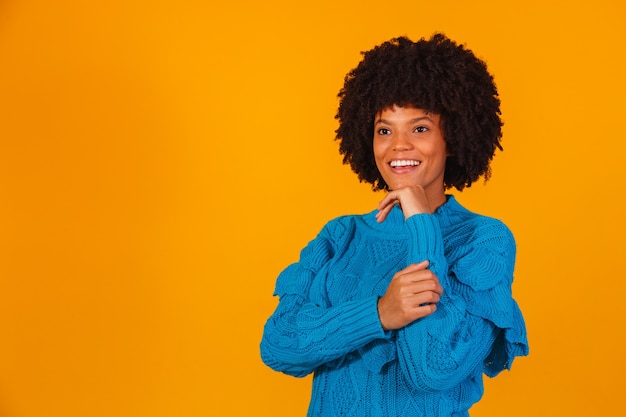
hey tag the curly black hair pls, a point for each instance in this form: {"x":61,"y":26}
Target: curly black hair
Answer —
{"x":437,"y":75}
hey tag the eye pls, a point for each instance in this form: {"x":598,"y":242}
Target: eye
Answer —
{"x":383,"y":131}
{"x":420,"y":129}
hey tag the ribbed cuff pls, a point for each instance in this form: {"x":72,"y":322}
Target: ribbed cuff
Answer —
{"x":426,"y":238}
{"x":360,"y":322}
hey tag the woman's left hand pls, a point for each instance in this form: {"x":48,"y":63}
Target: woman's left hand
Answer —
{"x":412,"y":200}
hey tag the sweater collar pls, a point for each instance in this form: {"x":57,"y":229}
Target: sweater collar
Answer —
{"x":447,"y":214}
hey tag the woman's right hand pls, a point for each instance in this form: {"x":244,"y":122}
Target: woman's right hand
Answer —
{"x":412,"y":200}
{"x":413,"y":293}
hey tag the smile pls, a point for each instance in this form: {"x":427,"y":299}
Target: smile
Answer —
{"x":404,"y":163}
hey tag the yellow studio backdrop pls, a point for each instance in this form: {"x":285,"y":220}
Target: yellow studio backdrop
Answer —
{"x":162,"y":162}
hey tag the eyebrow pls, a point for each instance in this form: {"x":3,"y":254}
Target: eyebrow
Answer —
{"x":415,"y":120}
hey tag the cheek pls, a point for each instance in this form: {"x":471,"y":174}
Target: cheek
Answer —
{"x":438,"y":151}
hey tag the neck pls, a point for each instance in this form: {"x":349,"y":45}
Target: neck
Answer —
{"x":437,"y":201}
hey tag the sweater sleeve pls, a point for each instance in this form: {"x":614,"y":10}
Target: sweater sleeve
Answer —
{"x":305,"y":332}
{"x":477,"y":324}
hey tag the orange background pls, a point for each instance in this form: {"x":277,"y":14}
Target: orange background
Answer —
{"x":162,"y":162}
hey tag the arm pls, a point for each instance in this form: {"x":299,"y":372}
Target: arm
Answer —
{"x":304,"y":331}
{"x":439,"y":351}
{"x":476,"y":319}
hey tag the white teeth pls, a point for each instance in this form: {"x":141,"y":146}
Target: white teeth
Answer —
{"x":404,"y":163}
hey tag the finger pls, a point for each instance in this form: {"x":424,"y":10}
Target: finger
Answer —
{"x":384,"y":210}
{"x":412,"y":269}
{"x":417,"y":267}
{"x":382,"y":213}
{"x":424,"y":310}
{"x":390,"y":199}
{"x":420,"y":310}
{"x":424,"y":291}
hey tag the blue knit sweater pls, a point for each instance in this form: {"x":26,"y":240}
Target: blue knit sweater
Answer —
{"x":327,"y":319}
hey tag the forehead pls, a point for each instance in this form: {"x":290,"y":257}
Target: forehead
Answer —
{"x":404,"y":114}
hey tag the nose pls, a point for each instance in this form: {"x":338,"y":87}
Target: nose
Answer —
{"x":402,"y":142}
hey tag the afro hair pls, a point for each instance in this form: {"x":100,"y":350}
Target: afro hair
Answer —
{"x":437,"y":75}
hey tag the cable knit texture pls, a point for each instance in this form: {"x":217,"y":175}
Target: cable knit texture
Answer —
{"x":327,"y":319}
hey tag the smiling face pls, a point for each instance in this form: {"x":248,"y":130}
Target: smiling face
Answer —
{"x":410,"y":150}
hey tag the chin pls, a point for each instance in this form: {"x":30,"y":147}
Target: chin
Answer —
{"x":398,"y":186}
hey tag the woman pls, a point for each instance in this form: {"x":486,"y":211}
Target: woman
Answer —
{"x":399,"y":312}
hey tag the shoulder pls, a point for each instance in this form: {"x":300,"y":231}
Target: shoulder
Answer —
{"x":338,"y":226}
{"x":481,"y":249}
{"x":462,"y":224}
{"x":343,"y":227}
{"x":335,"y":235}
